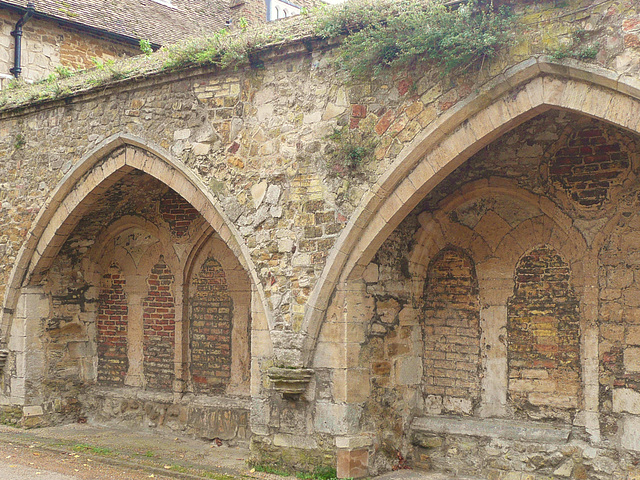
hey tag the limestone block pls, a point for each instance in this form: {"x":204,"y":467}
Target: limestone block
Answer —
{"x":370,"y":274}
{"x":182,"y":134}
{"x":630,"y":438}
{"x":18,"y":391}
{"x":273,"y":194}
{"x":408,"y":371}
{"x":353,"y":441}
{"x":285,"y":245}
{"x":458,"y":405}
{"x":258,"y":192}
{"x":632,"y":359}
{"x":330,"y":355}
{"x":332,"y":332}
{"x":301,"y":260}
{"x":497,"y":428}
{"x":356,"y":333}
{"x":294,"y":441}
{"x":633,"y":335}
{"x":17,"y":343}
{"x":408,"y":316}
{"x":21,"y":362}
{"x":358,"y":388}
{"x":32,"y":411}
{"x":312,"y":117}
{"x":337,"y":419}
{"x":553,"y":399}
{"x":201,"y":148}
{"x":332,"y":111}
{"x":626,"y":400}
{"x":574,"y":96}
{"x":433,"y":405}
{"x":265,"y":112}
{"x":565,"y":469}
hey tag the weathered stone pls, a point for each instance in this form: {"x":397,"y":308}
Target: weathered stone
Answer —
{"x":497,"y":428}
{"x":426,"y":441}
{"x":630,"y":433}
{"x":258,"y":192}
{"x":626,"y":400}
{"x":632,"y":359}
{"x":494,"y":287}
{"x":332,"y":111}
{"x":409,"y":370}
{"x":564,"y":470}
{"x":273,"y":194}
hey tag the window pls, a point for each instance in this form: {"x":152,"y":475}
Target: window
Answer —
{"x":280,"y":9}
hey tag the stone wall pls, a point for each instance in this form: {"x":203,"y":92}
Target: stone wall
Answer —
{"x":475,"y":261}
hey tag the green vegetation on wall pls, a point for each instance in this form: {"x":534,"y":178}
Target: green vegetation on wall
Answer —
{"x":375,"y":34}
{"x":351,"y":148}
{"x":382,"y":34}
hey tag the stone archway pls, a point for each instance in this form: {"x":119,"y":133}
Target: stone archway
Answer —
{"x":126,"y":229}
{"x":84,"y":183}
{"x":521,"y":93}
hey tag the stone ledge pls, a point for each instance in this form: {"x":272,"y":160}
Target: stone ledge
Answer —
{"x":190,"y":399}
{"x":493,"y":428}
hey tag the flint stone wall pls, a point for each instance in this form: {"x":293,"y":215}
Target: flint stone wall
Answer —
{"x":256,"y":140}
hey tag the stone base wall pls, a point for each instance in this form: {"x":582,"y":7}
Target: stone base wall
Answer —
{"x":277,"y":452}
{"x":224,"y":418}
{"x":507,"y":459}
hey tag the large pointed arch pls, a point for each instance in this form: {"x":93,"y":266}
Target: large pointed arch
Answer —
{"x":508,"y":100}
{"x":91,"y":177}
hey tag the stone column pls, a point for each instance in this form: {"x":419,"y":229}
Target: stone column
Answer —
{"x":261,"y":354}
{"x":135,"y":337}
{"x":25,"y":342}
{"x":341,"y":337}
{"x":589,"y":350}
{"x":495,"y":290}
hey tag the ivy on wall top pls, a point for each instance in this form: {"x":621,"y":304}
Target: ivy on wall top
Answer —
{"x":382,"y":34}
{"x":374,"y":35}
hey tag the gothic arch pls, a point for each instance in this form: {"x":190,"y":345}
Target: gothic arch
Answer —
{"x":435,"y":231}
{"x":210,"y":249}
{"x":519,"y":94}
{"x":91,"y":177}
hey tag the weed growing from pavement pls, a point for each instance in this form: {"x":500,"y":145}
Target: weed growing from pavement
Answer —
{"x":86,"y":448}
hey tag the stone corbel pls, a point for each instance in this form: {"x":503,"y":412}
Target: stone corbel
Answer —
{"x":290,"y":382}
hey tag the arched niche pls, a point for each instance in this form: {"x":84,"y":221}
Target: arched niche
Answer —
{"x":543,"y":337}
{"x":451,"y":329}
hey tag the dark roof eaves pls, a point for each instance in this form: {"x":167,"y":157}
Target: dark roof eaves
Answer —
{"x":79,"y":25}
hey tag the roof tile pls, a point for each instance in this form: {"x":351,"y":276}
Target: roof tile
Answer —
{"x":139,"y":19}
